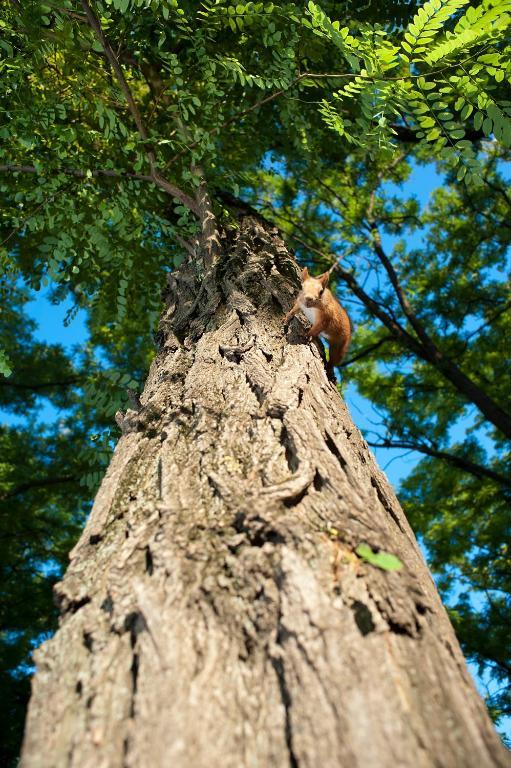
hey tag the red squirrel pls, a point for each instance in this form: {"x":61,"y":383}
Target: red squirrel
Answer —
{"x":328,"y":318}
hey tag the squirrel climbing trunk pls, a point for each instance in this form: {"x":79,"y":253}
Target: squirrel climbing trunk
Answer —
{"x":217,"y":612}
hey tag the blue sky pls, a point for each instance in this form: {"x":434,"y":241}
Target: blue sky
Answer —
{"x":396,"y":463}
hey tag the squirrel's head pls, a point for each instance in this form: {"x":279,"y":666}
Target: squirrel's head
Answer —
{"x":313,"y":287}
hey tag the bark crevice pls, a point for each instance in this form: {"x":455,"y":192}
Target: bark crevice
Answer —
{"x":285,"y":698}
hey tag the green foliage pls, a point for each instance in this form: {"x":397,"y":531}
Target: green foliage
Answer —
{"x":430,"y":18}
{"x":392,"y":79}
{"x":486,"y":22}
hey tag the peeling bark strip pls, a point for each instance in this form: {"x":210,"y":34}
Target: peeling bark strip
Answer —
{"x":214,"y":614}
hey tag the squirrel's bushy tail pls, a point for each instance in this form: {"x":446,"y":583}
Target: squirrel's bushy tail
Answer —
{"x":338,"y":349}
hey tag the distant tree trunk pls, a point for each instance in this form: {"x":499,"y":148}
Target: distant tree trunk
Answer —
{"x":215,"y":613}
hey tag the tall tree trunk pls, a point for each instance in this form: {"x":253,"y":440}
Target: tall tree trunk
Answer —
{"x":215,"y":613}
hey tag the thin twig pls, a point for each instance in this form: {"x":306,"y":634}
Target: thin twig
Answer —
{"x":487,"y":322}
{"x":366,"y":351}
{"x":33,"y":213}
{"x":379,"y":178}
{"x":234,"y":118}
{"x":78,"y":173}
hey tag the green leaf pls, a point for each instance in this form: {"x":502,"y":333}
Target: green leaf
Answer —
{"x":466,"y":111}
{"x":487,"y":126}
{"x":5,"y":364}
{"x":478,"y":120}
{"x":381,"y":559}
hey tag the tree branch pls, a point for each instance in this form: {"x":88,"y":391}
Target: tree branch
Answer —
{"x":379,"y":178}
{"x":158,"y":179}
{"x":398,"y":288}
{"x":39,"y":385}
{"x":366,"y":351}
{"x":408,"y":136}
{"x":96,"y":26}
{"x":430,"y":351}
{"x":12,"y":168}
{"x":236,"y":117}
{"x":67,"y":12}
{"x":488,"y":321}
{"x":458,"y":461}
{"x":500,"y":191}
{"x":19,"y":489}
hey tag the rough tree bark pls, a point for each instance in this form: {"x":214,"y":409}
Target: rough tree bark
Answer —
{"x":214,"y":613}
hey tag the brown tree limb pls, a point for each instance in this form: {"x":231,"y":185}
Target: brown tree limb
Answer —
{"x":379,"y":178}
{"x":209,"y":242}
{"x":458,"y":461}
{"x":488,"y":321}
{"x":163,"y":183}
{"x":433,"y":354}
{"x":107,"y":172}
{"x":466,"y":198}
{"x":67,"y":12}
{"x":500,"y":191}
{"x":398,"y":288}
{"x":98,"y":31}
{"x":236,"y":117}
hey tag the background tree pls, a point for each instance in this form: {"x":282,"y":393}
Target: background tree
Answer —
{"x":39,"y":519}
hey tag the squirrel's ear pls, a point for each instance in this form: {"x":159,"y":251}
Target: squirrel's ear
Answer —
{"x":323,"y":279}
{"x":305,"y":274}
